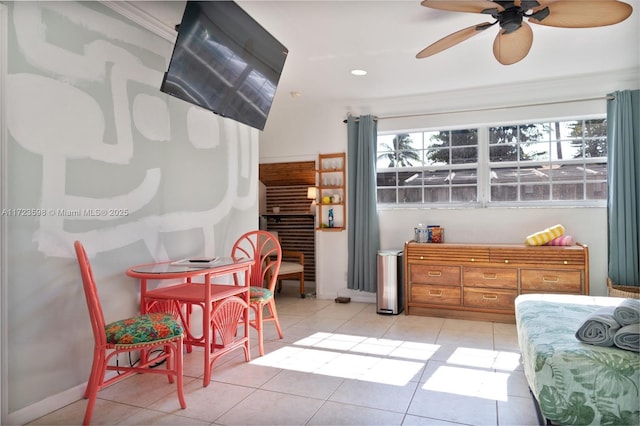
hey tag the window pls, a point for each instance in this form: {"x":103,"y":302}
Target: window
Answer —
{"x":558,"y":163}
{"x":428,"y":167}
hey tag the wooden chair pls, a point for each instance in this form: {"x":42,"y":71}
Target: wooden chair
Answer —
{"x":264,"y":248}
{"x":142,"y":333}
{"x":291,"y":267}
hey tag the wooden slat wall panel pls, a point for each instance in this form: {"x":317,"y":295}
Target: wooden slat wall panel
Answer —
{"x":290,"y":199}
{"x":285,"y":174}
{"x":296,"y":232}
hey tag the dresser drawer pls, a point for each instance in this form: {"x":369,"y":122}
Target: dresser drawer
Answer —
{"x":549,"y":281}
{"x":490,"y":298}
{"x":539,"y":255}
{"x":434,"y":274}
{"x":435,"y":295}
{"x":453,"y":253}
{"x":490,"y":277}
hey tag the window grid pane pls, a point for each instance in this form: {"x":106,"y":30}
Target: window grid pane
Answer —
{"x":555,"y":162}
{"x":550,"y":161}
{"x":428,"y":167}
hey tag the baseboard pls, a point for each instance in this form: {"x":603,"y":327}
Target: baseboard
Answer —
{"x":356,"y":296}
{"x":51,"y":403}
{"x":46,"y":406}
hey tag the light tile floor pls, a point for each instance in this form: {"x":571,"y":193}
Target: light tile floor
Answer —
{"x":338,"y":364}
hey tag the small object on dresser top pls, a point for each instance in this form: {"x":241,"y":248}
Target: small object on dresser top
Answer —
{"x":563,"y":240}
{"x":543,"y":237}
{"x":436,"y":234}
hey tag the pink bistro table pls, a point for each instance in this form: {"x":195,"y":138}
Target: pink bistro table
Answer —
{"x":181,"y":297}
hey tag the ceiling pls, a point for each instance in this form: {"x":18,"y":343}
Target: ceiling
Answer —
{"x":326,"y":39}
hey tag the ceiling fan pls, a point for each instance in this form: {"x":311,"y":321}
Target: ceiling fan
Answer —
{"x":515,"y":37}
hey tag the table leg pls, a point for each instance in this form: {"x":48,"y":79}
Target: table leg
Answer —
{"x":206,"y":324}
{"x":143,"y":296}
{"x":247,"y":326}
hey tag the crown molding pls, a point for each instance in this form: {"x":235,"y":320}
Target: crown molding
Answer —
{"x":561,"y":89}
{"x":142,"y":18}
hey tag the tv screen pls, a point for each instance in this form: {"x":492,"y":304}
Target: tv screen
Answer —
{"x":226,"y":62}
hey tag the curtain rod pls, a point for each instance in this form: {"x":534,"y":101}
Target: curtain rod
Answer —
{"x":608,"y":98}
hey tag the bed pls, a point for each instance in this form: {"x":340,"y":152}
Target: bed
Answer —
{"x":574,"y":383}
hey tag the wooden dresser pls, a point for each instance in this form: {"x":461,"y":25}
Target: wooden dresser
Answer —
{"x":481,"y":281}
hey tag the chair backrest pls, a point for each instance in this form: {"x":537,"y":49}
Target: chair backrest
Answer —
{"x":264,"y":248}
{"x":91,"y":294}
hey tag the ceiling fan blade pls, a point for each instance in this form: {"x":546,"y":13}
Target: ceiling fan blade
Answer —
{"x":472,"y":6}
{"x":509,"y":48}
{"x":583,"y":14}
{"x":452,"y":39}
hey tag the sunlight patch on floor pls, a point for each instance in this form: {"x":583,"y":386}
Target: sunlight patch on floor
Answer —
{"x":467,"y":372}
{"x":484,"y":358}
{"x":385,"y":361}
{"x":469,"y":382}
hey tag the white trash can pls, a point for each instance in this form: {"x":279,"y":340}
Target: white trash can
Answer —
{"x":390,"y":289}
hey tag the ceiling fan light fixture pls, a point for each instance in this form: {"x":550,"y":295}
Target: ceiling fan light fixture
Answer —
{"x":511,"y":20}
{"x":515,"y":36}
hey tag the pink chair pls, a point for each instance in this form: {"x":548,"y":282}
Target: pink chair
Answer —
{"x":264,"y":248}
{"x":225,"y":318}
{"x":141,"y":333}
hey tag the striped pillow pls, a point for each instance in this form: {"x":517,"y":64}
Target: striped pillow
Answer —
{"x":564,"y":240}
{"x":543,"y":237}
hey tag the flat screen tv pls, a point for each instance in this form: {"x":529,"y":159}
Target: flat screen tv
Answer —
{"x":226,"y":62}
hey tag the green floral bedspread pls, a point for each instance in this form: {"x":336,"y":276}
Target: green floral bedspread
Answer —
{"x":575,"y":383}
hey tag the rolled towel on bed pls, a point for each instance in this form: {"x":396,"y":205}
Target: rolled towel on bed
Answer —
{"x":563,"y":240}
{"x":627,"y":312}
{"x":543,"y":237}
{"x":599,"y":327}
{"x":628,"y":337}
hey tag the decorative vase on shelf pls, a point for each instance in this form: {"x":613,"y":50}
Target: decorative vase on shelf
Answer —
{"x":330,"y":218}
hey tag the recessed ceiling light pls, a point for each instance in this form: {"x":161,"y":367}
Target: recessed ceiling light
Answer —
{"x":358,"y":72}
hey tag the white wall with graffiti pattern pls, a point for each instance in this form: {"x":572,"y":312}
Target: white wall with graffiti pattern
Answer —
{"x":93,"y":151}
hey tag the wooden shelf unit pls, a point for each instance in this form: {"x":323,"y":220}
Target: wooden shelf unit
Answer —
{"x":481,"y":281}
{"x":331,"y":183}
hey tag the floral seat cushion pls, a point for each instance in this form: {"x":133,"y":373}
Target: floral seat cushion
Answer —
{"x":143,"y":329}
{"x":259,"y":294}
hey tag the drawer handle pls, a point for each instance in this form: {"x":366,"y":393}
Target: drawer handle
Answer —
{"x":565,"y":262}
{"x":549,"y":279}
{"x":435,"y":293}
{"x":434,"y":273}
{"x":489,"y":297}
{"x":421,"y":257}
{"x":473,"y":259}
{"x":487,"y":276}
{"x":506,"y":261}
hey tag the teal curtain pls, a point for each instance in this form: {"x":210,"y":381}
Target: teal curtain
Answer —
{"x":623,"y":203}
{"x":362,"y":214}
